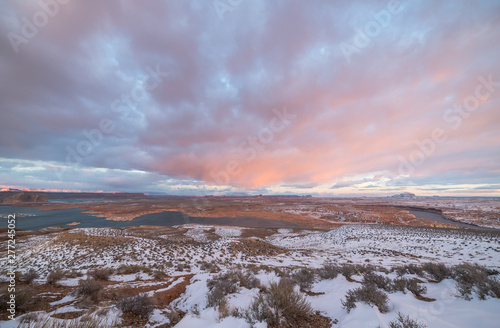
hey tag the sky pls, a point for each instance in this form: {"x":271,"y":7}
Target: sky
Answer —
{"x":327,"y":98}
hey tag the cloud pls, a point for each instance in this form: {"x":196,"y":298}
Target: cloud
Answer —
{"x":209,"y":120}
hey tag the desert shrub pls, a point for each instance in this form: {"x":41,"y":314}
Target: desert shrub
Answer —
{"x":182,"y":267}
{"x":280,"y":306}
{"x":363,"y":269}
{"x":376,"y":280}
{"x":174,"y":315}
{"x":73,"y":274}
{"x":399,"y":285}
{"x":227,"y":283}
{"x":415,"y":287}
{"x":158,"y":274}
{"x":89,"y":288}
{"x":414,"y":269}
{"x":246,"y":279}
{"x":472,"y":277}
{"x":54,"y":276}
{"x":329,"y":271}
{"x":218,"y":293}
{"x":101,"y":273}
{"x":29,"y":276}
{"x":348,"y":270}
{"x":304,"y":278}
{"x":281,"y":272}
{"x":223,"y":309}
{"x":26,"y":300}
{"x":237,"y":312}
{"x":404,"y":284}
{"x":366,"y":294}
{"x":210,"y":267}
{"x":410,"y":269}
{"x":467,"y":277}
{"x":400,"y":270}
{"x":494,"y":288}
{"x":405,"y":321}
{"x":141,"y":305}
{"x":492,"y":272}
{"x":437,"y":271}
{"x":133,"y":268}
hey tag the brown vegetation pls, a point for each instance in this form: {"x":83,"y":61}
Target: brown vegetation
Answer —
{"x":164,"y":298}
{"x":255,"y":247}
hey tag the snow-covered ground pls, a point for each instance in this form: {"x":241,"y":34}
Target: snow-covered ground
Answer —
{"x":393,"y":245}
{"x":446,"y":311}
{"x":183,"y":250}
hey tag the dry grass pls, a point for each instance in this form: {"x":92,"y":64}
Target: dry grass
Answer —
{"x":90,"y":321}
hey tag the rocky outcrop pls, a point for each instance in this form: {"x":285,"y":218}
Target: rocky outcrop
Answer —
{"x":405,"y":195}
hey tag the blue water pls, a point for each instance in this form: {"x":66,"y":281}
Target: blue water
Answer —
{"x":76,"y":200}
{"x":62,"y":217}
{"x":439,"y":218}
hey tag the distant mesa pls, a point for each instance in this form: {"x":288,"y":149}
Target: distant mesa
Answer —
{"x":25,"y":198}
{"x":405,"y":195}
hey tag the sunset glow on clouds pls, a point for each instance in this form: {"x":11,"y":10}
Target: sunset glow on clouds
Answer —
{"x":308,"y":97}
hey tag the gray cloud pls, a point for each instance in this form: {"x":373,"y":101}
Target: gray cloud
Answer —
{"x":224,"y":79}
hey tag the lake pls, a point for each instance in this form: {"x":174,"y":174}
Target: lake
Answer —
{"x":44,"y":219}
{"x":439,"y":218}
